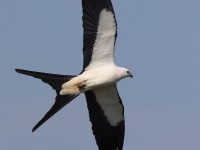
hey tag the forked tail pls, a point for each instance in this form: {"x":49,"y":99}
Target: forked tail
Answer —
{"x":55,"y":81}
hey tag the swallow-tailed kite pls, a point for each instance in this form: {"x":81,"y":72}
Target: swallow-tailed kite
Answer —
{"x":98,"y":78}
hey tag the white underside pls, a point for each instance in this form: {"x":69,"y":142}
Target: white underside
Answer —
{"x":103,"y":51}
{"x":93,"y":79}
{"x":101,"y":74}
{"x":102,"y":81}
{"x":109,"y":101}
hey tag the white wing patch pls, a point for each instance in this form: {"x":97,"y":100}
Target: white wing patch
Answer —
{"x":105,"y":40}
{"x":109,"y":101}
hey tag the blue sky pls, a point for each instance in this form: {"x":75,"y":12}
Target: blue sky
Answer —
{"x":157,"y":40}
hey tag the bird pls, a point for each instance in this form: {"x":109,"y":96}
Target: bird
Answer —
{"x":97,"y":80}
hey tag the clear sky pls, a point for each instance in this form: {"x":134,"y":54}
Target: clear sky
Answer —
{"x":157,"y":40}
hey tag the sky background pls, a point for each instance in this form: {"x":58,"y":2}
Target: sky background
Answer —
{"x":158,"y":40}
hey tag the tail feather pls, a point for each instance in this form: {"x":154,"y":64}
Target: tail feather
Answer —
{"x":55,"y":81}
{"x":60,"y":102}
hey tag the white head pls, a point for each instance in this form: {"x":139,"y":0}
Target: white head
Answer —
{"x":125,"y":73}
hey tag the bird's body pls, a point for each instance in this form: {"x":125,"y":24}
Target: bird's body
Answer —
{"x":94,"y":79}
{"x":97,"y":80}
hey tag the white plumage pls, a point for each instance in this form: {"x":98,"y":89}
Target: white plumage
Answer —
{"x":97,"y":80}
{"x":101,"y":71}
{"x":94,"y":79}
{"x":103,"y":51}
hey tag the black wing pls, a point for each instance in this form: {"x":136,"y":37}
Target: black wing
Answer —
{"x":100,"y":31}
{"x":55,"y":81}
{"x":106,"y":113}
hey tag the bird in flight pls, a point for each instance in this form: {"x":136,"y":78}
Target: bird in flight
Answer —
{"x":97,"y":80}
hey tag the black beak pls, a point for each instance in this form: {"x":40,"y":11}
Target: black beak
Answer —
{"x":131,"y":75}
